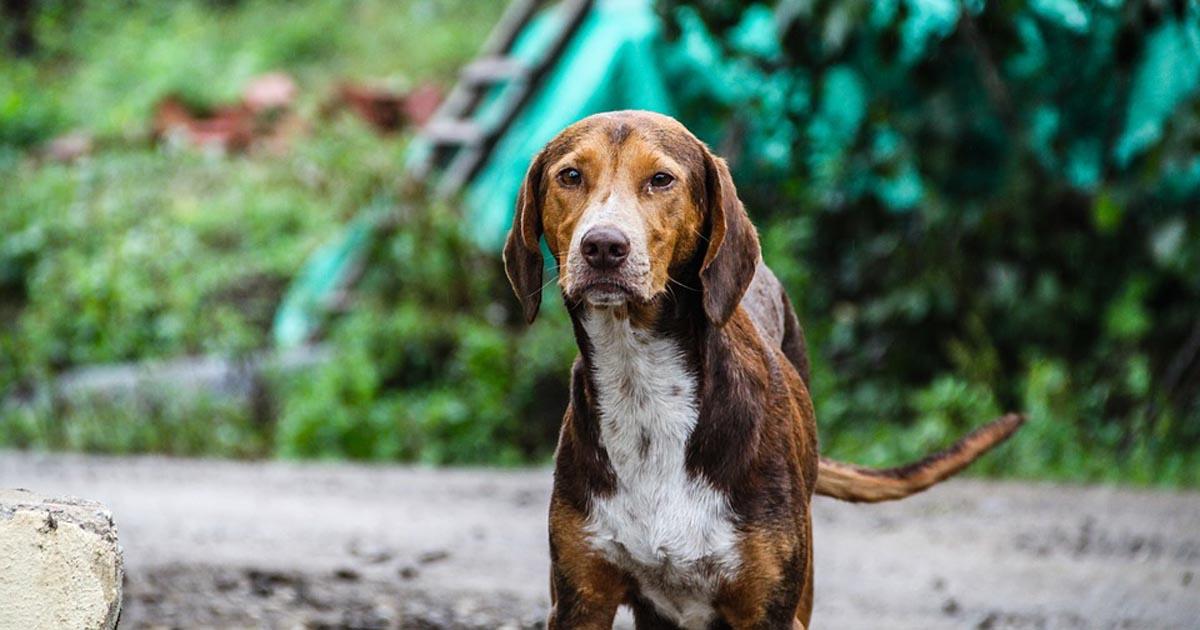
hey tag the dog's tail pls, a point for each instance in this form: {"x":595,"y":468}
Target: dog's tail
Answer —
{"x":848,"y":482}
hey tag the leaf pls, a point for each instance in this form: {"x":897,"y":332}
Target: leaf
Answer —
{"x":1169,"y":73}
{"x":927,"y":20}
{"x":1065,"y":13}
{"x":842,"y":110}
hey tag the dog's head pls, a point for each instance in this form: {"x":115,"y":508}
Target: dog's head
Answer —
{"x":629,"y":202}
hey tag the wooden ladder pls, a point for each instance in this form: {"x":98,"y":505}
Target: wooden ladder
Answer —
{"x":460,"y":145}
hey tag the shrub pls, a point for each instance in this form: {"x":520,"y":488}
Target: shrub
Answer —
{"x":991,"y":204}
{"x":430,"y":364}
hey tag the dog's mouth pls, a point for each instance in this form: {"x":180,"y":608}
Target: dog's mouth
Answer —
{"x":604,"y":291}
{"x":583,"y":283}
{"x":607,"y":292}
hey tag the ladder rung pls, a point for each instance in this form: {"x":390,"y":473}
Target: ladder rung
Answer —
{"x":515,"y":17}
{"x":453,"y":132}
{"x":459,"y":171}
{"x":460,"y":146}
{"x":495,"y":69}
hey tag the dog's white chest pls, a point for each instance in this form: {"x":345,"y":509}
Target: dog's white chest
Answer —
{"x":672,"y":531}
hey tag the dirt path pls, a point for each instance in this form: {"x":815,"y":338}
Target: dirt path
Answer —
{"x":218,"y":544}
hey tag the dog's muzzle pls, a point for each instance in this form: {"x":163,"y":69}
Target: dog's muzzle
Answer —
{"x":606,"y":269}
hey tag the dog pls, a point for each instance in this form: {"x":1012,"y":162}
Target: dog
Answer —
{"x":687,"y":458}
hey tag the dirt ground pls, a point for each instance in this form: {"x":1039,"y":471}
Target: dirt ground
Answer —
{"x":278,"y":545}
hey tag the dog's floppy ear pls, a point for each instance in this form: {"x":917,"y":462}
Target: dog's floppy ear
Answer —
{"x":733,"y":252}
{"x":522,"y":249}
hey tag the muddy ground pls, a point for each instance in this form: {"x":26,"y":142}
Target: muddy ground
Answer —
{"x":277,"y":545}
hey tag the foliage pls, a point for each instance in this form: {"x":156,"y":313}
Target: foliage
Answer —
{"x":989,"y":205}
{"x":156,"y":421}
{"x":103,"y":66}
{"x":143,"y":254}
{"x":139,"y":252}
{"x":976,"y":207}
{"x":430,"y":364}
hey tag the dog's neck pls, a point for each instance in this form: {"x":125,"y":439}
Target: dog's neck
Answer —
{"x":637,"y":370}
{"x":726,"y":402}
{"x":627,"y":350}
{"x":668,"y":316}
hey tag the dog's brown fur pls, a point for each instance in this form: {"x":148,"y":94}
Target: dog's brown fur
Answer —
{"x":755,"y":439}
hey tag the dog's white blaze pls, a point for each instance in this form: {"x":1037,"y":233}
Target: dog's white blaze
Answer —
{"x":670,"y":530}
{"x":622,"y":215}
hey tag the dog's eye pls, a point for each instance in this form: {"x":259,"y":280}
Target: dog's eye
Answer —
{"x":570,"y":177}
{"x":661,"y":180}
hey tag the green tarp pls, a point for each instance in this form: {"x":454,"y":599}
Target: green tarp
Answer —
{"x":610,"y":64}
{"x":615,"y":60}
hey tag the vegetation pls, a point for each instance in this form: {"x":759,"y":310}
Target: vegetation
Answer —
{"x":432,"y":363}
{"x":145,"y":251}
{"x":981,"y":206}
{"x":979,"y":209}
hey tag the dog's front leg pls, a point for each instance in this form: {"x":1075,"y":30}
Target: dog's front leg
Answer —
{"x":579,"y":606}
{"x":774,"y":590}
{"x":585,"y":589}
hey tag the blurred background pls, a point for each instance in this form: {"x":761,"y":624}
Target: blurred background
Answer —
{"x":257,"y":229}
{"x":249,"y":252}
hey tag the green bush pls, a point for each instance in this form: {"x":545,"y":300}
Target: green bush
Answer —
{"x":138,"y":252}
{"x":992,"y":205}
{"x":152,"y":420}
{"x":141,"y":254}
{"x":429,"y":364}
{"x":28,"y":115}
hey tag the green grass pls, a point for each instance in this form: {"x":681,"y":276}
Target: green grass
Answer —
{"x":140,"y":252}
{"x":103,"y":66}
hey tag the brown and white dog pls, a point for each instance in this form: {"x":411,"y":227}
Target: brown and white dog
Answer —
{"x":688,"y":453}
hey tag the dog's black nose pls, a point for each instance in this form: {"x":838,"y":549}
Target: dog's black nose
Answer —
{"x":605,"y":247}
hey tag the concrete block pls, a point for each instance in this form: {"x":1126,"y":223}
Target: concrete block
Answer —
{"x":60,"y":564}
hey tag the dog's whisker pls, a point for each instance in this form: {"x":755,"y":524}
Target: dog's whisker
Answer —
{"x":543,"y":287}
{"x":673,"y":280}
